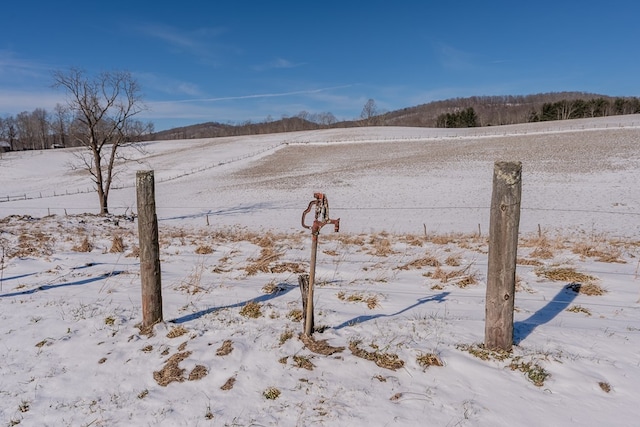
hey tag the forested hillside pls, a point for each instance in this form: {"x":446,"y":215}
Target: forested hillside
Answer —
{"x":456,"y":112}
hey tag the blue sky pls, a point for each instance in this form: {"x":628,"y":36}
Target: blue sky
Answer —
{"x":232,"y":61}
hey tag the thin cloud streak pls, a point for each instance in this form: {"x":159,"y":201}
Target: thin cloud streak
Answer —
{"x":261,"y":95}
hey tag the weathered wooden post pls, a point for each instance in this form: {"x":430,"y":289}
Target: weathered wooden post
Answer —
{"x":503,"y":246}
{"x":303,"y":282}
{"x":149,"y":250}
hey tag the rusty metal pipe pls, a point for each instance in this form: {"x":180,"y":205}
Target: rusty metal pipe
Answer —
{"x":322,"y":210}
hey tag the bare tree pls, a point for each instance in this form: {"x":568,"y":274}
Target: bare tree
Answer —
{"x":103,"y":108}
{"x":41,"y":123}
{"x":26,"y":127}
{"x":11,"y":132}
{"x":369,"y":111}
{"x":60,"y":124}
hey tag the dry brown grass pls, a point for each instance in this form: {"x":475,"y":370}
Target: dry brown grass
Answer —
{"x":371,"y":301}
{"x":604,"y":386}
{"x":261,"y":264}
{"x":464,"y":275}
{"x":427,"y":261}
{"x":380,"y":246}
{"x":565,"y":274}
{"x":272,"y":393}
{"x":442,"y":275}
{"x":192,"y":284}
{"x":542,"y":252}
{"x":590,"y":289}
{"x":429,"y":359}
{"x":579,"y":309}
{"x":33,"y":243}
{"x":225,"y":349}
{"x":453,"y":261}
{"x":543,"y":246}
{"x":251,"y":310}
{"x":526,"y":261}
{"x":295,"y":315}
{"x":204,"y":250}
{"x":444,"y":239}
{"x":228,"y":385}
{"x":272,"y":288}
{"x":171,"y":371}
{"x":348,"y":239}
{"x":117,"y":245}
{"x":303,"y":362}
{"x":288,"y":267}
{"x":481,"y":352}
{"x":198,"y":372}
{"x":602,"y":252}
{"x":286,"y":336}
{"x":383,"y":360}
{"x":176,"y":331}
{"x":85,"y":246}
{"x":412,"y":239}
{"x":468,"y":280}
{"x":319,"y":347}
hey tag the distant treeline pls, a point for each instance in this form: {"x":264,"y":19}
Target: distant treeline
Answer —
{"x":585,"y":108}
{"x":564,"y":109}
{"x":456,"y":112}
{"x":41,"y":129}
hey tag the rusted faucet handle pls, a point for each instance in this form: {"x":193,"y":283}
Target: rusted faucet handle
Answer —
{"x":321,"y":215}
{"x":306,"y":211}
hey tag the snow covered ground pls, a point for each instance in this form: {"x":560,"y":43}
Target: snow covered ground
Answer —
{"x":400,"y":286}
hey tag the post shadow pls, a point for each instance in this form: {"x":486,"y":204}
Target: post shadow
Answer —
{"x":361,"y":319}
{"x":61,"y":285}
{"x":283,"y":288}
{"x":522,"y":329}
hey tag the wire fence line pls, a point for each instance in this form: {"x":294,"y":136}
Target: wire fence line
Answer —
{"x":206,"y":210}
{"x":466,"y":133}
{"x":159,"y":179}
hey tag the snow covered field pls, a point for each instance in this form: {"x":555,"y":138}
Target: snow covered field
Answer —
{"x":400,"y":286}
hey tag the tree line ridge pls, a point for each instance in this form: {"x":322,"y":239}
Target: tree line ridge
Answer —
{"x":455,"y":112}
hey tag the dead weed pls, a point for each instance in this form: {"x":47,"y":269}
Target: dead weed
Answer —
{"x":319,"y":347}
{"x":383,"y":360}
{"x":225,"y":349}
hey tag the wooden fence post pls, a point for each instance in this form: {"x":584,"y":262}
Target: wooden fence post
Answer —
{"x":149,"y":250}
{"x":303,"y":282}
{"x":503,"y":245}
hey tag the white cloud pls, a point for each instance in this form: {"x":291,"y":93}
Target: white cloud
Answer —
{"x":15,"y":102}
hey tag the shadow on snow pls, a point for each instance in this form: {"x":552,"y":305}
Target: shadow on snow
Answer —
{"x":283,"y":288}
{"x":557,"y":305}
{"x":361,"y":319}
{"x":61,"y":285}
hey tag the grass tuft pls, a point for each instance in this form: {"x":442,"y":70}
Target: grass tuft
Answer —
{"x":117,"y":245}
{"x":383,"y":360}
{"x":271,"y":393}
{"x":429,"y":359}
{"x":579,"y":309}
{"x":176,"y":332}
{"x":251,"y":310}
